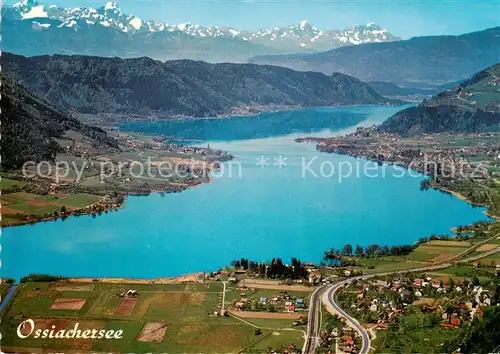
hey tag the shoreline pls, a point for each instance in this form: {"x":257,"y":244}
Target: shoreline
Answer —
{"x":231,"y":115}
{"x":468,"y":201}
{"x":320,"y":146}
{"x":465,"y":199}
{"x":180,"y":279}
{"x":209,"y":180}
{"x":90,"y":210}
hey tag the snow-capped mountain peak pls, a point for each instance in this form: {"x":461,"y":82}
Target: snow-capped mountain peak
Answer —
{"x":110,"y":5}
{"x":23,"y":3}
{"x":303,"y":35}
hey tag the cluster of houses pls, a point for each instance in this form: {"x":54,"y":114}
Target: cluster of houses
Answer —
{"x":343,"y":336}
{"x":281,"y":303}
{"x":289,"y":349}
{"x":161,"y":144}
{"x":192,"y":150}
{"x":447,"y":162}
{"x":383,"y":300}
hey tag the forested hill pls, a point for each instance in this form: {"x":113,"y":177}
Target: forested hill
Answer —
{"x":472,"y":106}
{"x":32,"y":128}
{"x":183,"y":87}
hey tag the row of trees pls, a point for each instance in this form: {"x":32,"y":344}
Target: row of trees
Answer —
{"x":275,"y":269}
{"x":374,"y":250}
{"x":336,"y":255}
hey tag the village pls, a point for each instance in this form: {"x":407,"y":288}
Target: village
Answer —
{"x":270,"y":307}
{"x":393,"y":302}
{"x":160,"y":142}
{"x":380,"y":301}
{"x":445,"y":156}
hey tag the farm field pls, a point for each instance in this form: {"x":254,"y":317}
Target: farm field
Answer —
{"x":490,"y":260}
{"x":438,"y":250}
{"x":387,"y":264}
{"x":15,"y":206}
{"x":276,"y":339}
{"x":434,"y":251}
{"x":6,"y":183}
{"x":153,"y":318}
{"x":460,"y":273}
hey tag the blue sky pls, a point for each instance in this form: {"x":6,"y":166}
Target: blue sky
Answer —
{"x":401,"y":17}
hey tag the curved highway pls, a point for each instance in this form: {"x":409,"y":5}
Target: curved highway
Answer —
{"x":365,"y":336}
{"x":313,"y":325}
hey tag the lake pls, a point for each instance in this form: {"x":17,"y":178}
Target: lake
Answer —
{"x":265,"y":206}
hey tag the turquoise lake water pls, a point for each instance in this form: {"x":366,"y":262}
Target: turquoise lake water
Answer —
{"x":263,"y":213}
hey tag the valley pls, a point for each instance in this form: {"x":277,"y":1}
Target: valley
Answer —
{"x":228,"y":177}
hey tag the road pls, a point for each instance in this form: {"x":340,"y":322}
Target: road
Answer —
{"x":224,"y":284}
{"x":313,"y":323}
{"x":8,"y":297}
{"x":313,"y":326}
{"x":351,"y":321}
{"x":473,"y":247}
{"x":482,"y":255}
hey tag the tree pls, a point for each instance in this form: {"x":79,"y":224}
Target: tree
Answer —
{"x":448,"y":308}
{"x":495,"y":299}
{"x":359,"y":251}
{"x":347,"y":250}
{"x":331,"y":256}
{"x":452,"y":283}
{"x":431,"y":319}
{"x":332,"y":321}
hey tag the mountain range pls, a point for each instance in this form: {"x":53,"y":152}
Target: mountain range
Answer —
{"x":144,"y":86}
{"x":32,"y":28}
{"x":471,"y":106}
{"x":419,"y":61}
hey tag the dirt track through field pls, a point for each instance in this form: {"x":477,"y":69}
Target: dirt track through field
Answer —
{"x":275,"y":286}
{"x":448,"y":243}
{"x":267,"y":315}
